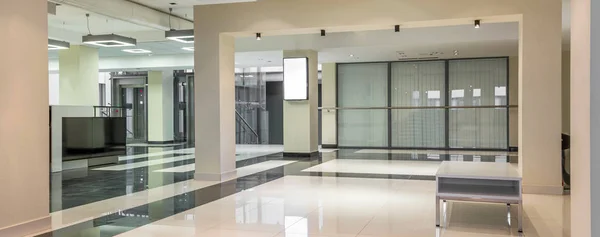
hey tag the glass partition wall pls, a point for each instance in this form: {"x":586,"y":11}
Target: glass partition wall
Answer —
{"x":458,"y":103}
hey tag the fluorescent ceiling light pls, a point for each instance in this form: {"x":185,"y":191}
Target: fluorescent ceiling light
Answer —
{"x":137,"y":51}
{"x":188,"y":48}
{"x":183,"y":36}
{"x":109,"y":41}
{"x":56,"y":44}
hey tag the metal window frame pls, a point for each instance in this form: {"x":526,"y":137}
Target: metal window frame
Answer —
{"x":507,"y":106}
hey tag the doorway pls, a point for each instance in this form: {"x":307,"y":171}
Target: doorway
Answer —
{"x":184,"y":117}
{"x":132,"y":97}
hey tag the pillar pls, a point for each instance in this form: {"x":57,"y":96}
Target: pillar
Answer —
{"x":78,"y":76}
{"x":24,"y":118}
{"x":540,"y":98}
{"x":214,"y":105}
{"x":329,"y":99}
{"x":160,"y":107}
{"x":585,"y":114}
{"x":301,"y":118}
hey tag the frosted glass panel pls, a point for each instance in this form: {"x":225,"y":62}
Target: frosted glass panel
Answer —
{"x":362,"y":85}
{"x":418,"y":84}
{"x":473,"y":83}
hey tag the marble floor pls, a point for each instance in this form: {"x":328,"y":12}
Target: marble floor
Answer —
{"x":343,"y":192}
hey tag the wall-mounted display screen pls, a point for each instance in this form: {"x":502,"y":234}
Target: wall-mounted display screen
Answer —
{"x":295,"y":78}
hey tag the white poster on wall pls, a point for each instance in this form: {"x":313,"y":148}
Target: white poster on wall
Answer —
{"x":295,"y":78}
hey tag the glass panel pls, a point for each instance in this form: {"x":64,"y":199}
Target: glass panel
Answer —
{"x":362,"y":85}
{"x":418,"y":84}
{"x":473,"y":83}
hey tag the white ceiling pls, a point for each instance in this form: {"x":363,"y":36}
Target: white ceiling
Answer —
{"x":73,"y":19}
{"x":499,"y":39}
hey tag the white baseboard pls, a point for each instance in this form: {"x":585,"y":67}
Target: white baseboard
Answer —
{"x":28,"y":228}
{"x":536,"y":189}
{"x":216,"y":177}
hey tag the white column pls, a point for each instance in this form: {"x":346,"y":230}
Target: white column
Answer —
{"x":540,"y":98}
{"x":24,"y":118}
{"x":215,"y":105}
{"x":78,"y":72}
{"x":329,"y":99}
{"x":301,"y":118}
{"x":160,"y":107}
{"x":585,"y":114}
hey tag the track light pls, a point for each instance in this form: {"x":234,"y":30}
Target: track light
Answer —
{"x":258,"y":36}
{"x":397,"y":28}
{"x":323,"y":33}
{"x":477,"y":24}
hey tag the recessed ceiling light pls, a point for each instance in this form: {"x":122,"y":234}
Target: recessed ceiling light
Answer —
{"x":109,"y":41}
{"x":183,"y":36}
{"x":351,"y":55}
{"x":56,"y":44}
{"x":137,"y":51}
{"x":188,"y":49}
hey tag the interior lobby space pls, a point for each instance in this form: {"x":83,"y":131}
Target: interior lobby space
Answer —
{"x":299,"y":118}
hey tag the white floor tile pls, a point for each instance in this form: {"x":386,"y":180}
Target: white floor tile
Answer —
{"x":400,"y":167}
{"x":307,"y":206}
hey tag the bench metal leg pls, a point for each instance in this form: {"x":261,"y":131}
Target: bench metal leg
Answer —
{"x":520,"y":217}
{"x":437,"y":211}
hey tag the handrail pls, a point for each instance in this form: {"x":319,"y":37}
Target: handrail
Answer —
{"x":423,"y":107}
{"x":248,"y":125}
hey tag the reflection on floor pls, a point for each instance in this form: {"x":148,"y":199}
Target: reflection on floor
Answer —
{"x":448,"y":152}
{"x":329,"y":206}
{"x":345,"y":192}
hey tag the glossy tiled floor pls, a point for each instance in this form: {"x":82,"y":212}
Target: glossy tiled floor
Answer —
{"x":330,"y":206}
{"x":342,"y":193}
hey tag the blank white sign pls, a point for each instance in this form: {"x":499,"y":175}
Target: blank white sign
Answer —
{"x":295,"y":78}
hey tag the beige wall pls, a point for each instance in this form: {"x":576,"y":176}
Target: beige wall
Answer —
{"x":160,"y":106}
{"x":329,"y":99}
{"x":24,"y":117}
{"x":300,"y":118}
{"x":214,"y":92}
{"x":78,"y":76}
{"x":539,"y":53}
{"x":584,"y":134}
{"x":513,"y":78}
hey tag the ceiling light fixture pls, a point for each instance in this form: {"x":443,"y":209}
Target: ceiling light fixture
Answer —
{"x":188,"y":49}
{"x":258,"y":36}
{"x":477,"y":24}
{"x":397,"y":28}
{"x":323,"y":33}
{"x":183,"y":36}
{"x":455,"y":52}
{"x":107,"y":41}
{"x":351,"y":55}
{"x":57,"y":44}
{"x":136,"y":51}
